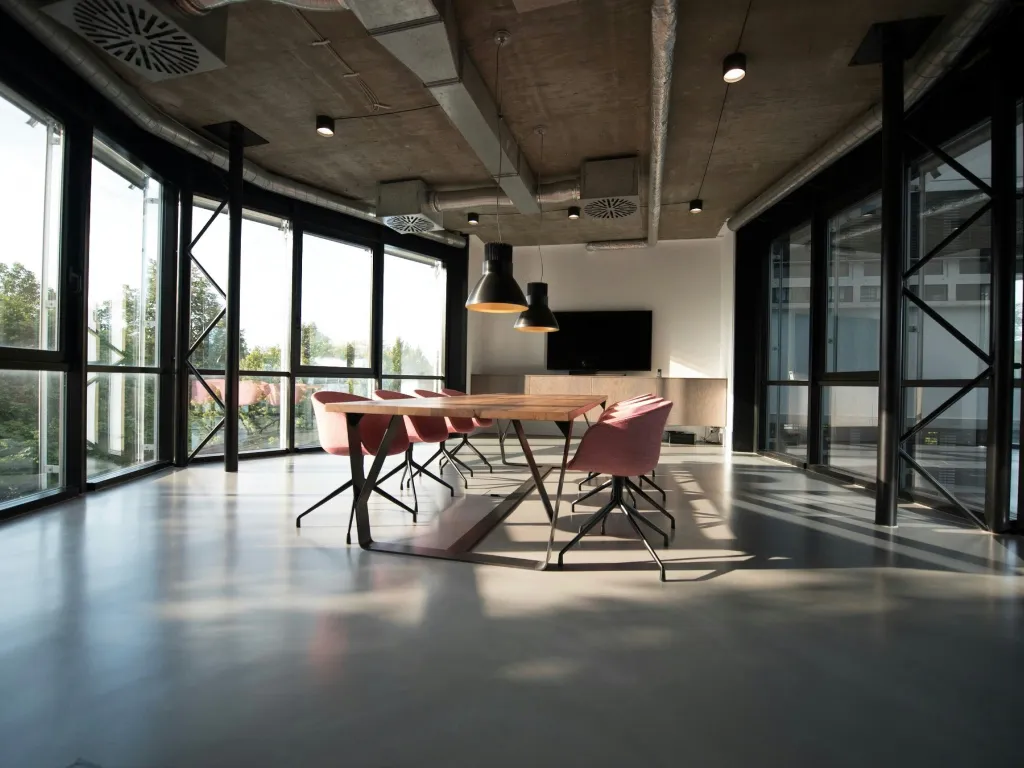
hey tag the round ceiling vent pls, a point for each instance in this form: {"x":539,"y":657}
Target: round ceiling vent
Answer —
{"x":409,"y":224}
{"x":137,"y":35}
{"x":610,"y":208}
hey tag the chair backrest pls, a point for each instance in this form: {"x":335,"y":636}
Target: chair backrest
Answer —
{"x":421,"y":429}
{"x":332,"y":428}
{"x":477,"y":423}
{"x":626,"y":441}
{"x":456,"y":425}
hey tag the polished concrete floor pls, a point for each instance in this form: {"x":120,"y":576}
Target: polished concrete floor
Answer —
{"x":182,"y":620}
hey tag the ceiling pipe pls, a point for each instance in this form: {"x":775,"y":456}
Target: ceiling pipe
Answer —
{"x":200,"y":7}
{"x":942,"y":49}
{"x":664,"y":17}
{"x":554,"y":194}
{"x":876,"y":224}
{"x":80,"y":57}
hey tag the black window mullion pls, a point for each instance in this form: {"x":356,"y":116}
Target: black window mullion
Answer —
{"x":377,"y":314}
{"x":182,"y":396}
{"x":166,"y":314}
{"x":818,"y":337}
{"x":295,"y":342}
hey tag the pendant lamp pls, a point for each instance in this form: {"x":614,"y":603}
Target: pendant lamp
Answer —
{"x":497,"y":290}
{"x":537,"y":317}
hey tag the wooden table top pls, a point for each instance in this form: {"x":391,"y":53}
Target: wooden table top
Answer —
{"x":521,"y":407}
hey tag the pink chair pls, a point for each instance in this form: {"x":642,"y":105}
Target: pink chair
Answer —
{"x":332,"y":429}
{"x":624,"y":443}
{"x":469,"y":426}
{"x":421,"y":429}
{"x":456,"y":426}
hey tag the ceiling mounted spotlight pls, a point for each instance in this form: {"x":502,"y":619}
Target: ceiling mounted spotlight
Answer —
{"x":574,"y":213}
{"x":696,"y":206}
{"x":473,"y":218}
{"x":325,"y":125}
{"x":734,"y":68}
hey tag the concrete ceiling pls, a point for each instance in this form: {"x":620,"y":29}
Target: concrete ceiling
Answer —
{"x":581,"y":68}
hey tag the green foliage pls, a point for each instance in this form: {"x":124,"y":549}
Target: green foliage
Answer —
{"x":19,"y":306}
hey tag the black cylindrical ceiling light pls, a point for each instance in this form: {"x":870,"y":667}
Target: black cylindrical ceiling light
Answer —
{"x":696,"y":205}
{"x":325,"y":125}
{"x":734,"y":67}
{"x":574,"y":213}
{"x":537,"y":317}
{"x":473,"y":218}
{"x":497,"y":290}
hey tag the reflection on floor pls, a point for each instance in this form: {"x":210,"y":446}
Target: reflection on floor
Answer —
{"x":183,"y":621}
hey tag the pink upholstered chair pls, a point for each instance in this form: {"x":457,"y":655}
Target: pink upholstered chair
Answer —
{"x":467,"y":430}
{"x":421,"y":429}
{"x":625,"y":442}
{"x":456,"y":426}
{"x":332,"y":429}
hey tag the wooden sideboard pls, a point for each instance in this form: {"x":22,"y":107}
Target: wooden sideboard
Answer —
{"x":696,"y":402}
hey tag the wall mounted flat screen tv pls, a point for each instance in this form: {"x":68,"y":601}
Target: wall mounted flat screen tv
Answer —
{"x":592,"y":342}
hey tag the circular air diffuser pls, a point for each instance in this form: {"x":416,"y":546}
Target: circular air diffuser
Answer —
{"x":409,"y":224}
{"x":138,"y":36}
{"x":610,"y":208}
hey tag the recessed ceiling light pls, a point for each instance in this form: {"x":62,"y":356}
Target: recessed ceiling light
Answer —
{"x":696,"y":205}
{"x":734,"y":68}
{"x":325,"y":125}
{"x":574,"y":213}
{"x":473,"y":218}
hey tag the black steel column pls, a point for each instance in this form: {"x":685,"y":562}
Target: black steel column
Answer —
{"x":819,"y":337}
{"x":377,"y":315}
{"x":295,"y":340}
{"x":182,"y":338}
{"x":1004,"y":267}
{"x":168,"y":291}
{"x":233,"y":288}
{"x":890,"y":364}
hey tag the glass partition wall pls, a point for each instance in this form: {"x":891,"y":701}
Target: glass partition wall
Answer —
{"x":823,"y":374}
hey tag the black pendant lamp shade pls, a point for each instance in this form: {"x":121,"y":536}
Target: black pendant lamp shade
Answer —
{"x":497,"y":290}
{"x":537,"y":317}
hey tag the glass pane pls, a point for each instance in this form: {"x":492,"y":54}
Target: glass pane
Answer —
{"x":260,"y":426}
{"x":124,"y":250}
{"x":31,"y":155}
{"x":956,"y":283}
{"x":305,"y":421}
{"x":204,"y":414}
{"x":414,"y":310}
{"x":266,"y":296}
{"x":787,"y":420}
{"x":951,"y":448}
{"x":853,"y":259}
{"x":850,"y":425}
{"x":31,"y":432}
{"x":121,"y":421}
{"x":789,"y":341}
{"x":337,"y":300}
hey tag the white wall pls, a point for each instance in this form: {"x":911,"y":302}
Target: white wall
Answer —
{"x":688,"y":284}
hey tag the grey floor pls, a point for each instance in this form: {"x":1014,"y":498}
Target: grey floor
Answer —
{"x":183,"y":621}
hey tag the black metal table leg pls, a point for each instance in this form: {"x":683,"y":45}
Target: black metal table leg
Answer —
{"x":501,"y":447}
{"x":364,"y":483}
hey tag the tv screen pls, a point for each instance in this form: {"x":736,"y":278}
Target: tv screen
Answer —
{"x":601,"y":341}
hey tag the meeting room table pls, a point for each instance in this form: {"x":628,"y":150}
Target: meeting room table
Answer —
{"x":563,"y":410}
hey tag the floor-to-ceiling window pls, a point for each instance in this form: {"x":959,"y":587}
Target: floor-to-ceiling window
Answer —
{"x":32,"y":378}
{"x":949,"y":225}
{"x":789,"y":342}
{"x":336,"y":326}
{"x":414,"y":312}
{"x":850,"y":397}
{"x":123,"y":313}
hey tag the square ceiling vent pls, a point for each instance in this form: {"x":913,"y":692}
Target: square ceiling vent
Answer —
{"x":401,"y":205}
{"x":610,"y":189}
{"x":155,"y":43}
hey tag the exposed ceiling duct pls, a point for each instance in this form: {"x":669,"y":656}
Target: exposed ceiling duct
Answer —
{"x":80,"y":57}
{"x":945,"y":45}
{"x":425,"y":40}
{"x":557,"y":193}
{"x":664,"y":15}
{"x":205,"y":6}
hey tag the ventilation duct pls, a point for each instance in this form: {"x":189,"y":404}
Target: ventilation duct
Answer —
{"x":156,"y":44}
{"x":610,"y":189}
{"x":663,"y":45}
{"x":945,"y":45}
{"x":205,"y":6}
{"x":80,"y":58}
{"x":557,"y":193}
